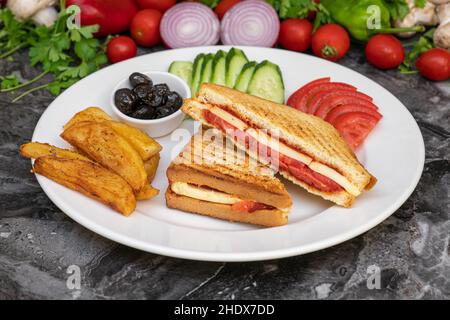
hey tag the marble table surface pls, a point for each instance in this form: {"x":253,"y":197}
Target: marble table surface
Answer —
{"x":410,"y":250}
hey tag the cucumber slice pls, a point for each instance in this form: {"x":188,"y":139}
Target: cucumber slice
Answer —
{"x":218,"y":74}
{"x":235,"y":60}
{"x":206,"y":69}
{"x":196,"y":75}
{"x":245,"y":76}
{"x":182,"y":69}
{"x":267,"y":82}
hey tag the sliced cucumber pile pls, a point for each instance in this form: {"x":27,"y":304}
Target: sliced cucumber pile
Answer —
{"x":232,"y":69}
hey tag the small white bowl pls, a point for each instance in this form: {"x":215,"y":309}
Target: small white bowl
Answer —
{"x":156,"y":127}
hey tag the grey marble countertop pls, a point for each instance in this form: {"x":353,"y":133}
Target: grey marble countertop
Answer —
{"x":411,"y":248}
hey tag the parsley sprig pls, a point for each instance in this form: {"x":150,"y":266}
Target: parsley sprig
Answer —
{"x":300,"y":9}
{"x":422,"y":45}
{"x":67,"y":51}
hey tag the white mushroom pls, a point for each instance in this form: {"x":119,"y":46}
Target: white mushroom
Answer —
{"x":42,"y":12}
{"x":425,"y":16}
{"x":441,"y":36}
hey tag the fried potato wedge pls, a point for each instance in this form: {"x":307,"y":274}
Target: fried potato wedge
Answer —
{"x":35,"y":150}
{"x":102,"y":144}
{"x":88,"y":114}
{"x":146,"y":193}
{"x":146,"y":146}
{"x":151,"y":165}
{"x":90,"y":179}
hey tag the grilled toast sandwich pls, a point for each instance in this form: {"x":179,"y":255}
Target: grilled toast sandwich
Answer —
{"x":303,"y":148}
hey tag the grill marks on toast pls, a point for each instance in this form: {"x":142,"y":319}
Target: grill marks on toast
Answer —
{"x":198,"y":155}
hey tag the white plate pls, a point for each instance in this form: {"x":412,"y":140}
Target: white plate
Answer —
{"x":394,"y":153}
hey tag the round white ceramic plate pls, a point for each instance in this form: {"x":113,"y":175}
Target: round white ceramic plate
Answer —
{"x":394,"y":153}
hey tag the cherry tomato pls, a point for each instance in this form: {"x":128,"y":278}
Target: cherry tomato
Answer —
{"x":121,"y":48}
{"x":145,"y":27}
{"x":385,"y":51}
{"x":434,"y":64}
{"x":331,"y":42}
{"x":295,"y":34}
{"x":160,"y":5}
{"x":224,"y":6}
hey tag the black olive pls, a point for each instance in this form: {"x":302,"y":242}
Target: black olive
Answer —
{"x":174,"y":100}
{"x":163,"y":112}
{"x":154,"y":100}
{"x":125,"y":100}
{"x":142,"y":91}
{"x":137,"y":78}
{"x":144,"y":112}
{"x":161,"y":89}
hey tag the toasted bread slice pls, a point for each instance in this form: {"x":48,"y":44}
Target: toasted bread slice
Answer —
{"x":267,"y":218}
{"x":306,"y":133}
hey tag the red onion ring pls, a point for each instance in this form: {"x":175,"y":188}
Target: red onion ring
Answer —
{"x":250,"y":23}
{"x":189,"y":24}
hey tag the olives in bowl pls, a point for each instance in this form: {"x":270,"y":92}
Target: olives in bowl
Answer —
{"x":151,"y":101}
{"x":145,"y":100}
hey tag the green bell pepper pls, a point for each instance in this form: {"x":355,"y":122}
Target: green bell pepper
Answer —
{"x":364,"y":18}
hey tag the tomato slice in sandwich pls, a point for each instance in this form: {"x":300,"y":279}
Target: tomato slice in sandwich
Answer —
{"x":249,"y":206}
{"x":321,"y":104}
{"x":297,"y":95}
{"x":355,"y":127}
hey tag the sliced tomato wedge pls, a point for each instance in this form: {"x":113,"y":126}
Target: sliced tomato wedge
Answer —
{"x":330,"y":102}
{"x":330,"y":99}
{"x":320,"y":89}
{"x":249,"y":206}
{"x":346,"y":108}
{"x":297,"y":95}
{"x":355,"y":127}
{"x":303,"y":173}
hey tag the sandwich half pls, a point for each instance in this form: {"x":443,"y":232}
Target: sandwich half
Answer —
{"x":303,"y":148}
{"x":212,"y":178}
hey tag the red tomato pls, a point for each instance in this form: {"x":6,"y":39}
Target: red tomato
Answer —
{"x":332,"y":101}
{"x":434,"y":64}
{"x":224,"y":6}
{"x":297,"y":95}
{"x":331,"y":42}
{"x":385,"y":51}
{"x":354,"y":127}
{"x":160,"y":5}
{"x":295,"y":34}
{"x":121,"y":48}
{"x":145,"y":27}
{"x":349,"y":108}
{"x":249,"y":206}
{"x":304,"y":102}
{"x":332,"y":96}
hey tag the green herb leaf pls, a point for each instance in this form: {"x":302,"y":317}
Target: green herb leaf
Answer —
{"x":422,"y":45}
{"x":420,"y":3}
{"x":9,"y":81}
{"x":397,"y":8}
{"x":210,"y":3}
